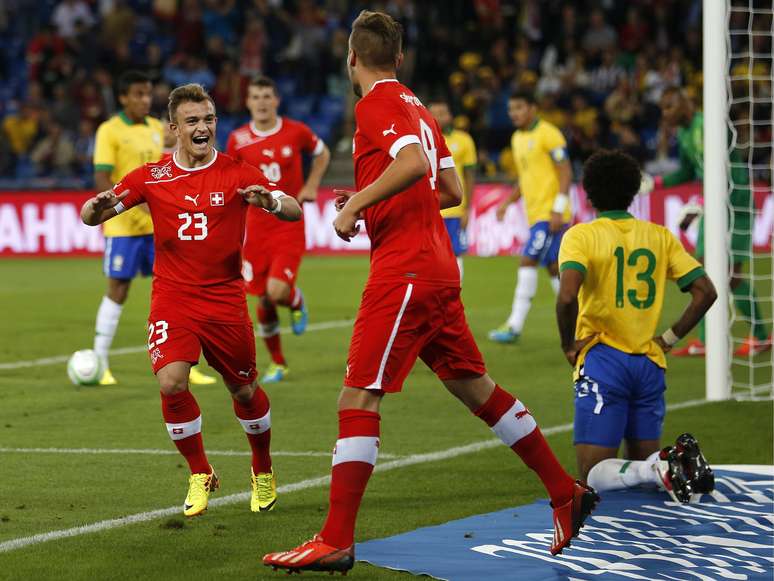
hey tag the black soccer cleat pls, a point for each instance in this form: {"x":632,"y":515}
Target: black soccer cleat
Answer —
{"x":695,"y":464}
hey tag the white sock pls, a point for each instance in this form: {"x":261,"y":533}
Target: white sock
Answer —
{"x":617,"y":474}
{"x":107,"y":322}
{"x":462,"y":269}
{"x":526,"y":287}
{"x":555,"y":284}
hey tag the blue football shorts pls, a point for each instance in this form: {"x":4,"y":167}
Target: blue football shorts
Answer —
{"x":125,"y":256}
{"x":456,"y":235}
{"x":542,"y":246}
{"x":618,"y":395}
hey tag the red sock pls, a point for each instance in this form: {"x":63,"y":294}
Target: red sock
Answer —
{"x":255,"y":418}
{"x":268,"y":324}
{"x":353,"y":462}
{"x":184,"y":424}
{"x":295,"y":299}
{"x":516,"y":427}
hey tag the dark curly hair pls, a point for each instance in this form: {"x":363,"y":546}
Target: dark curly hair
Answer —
{"x":611,"y":179}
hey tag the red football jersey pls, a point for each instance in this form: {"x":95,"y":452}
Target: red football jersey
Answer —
{"x":277,"y":153}
{"x":408,"y":237}
{"x":198,"y":220}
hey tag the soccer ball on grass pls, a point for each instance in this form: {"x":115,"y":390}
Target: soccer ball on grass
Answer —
{"x":85,"y":367}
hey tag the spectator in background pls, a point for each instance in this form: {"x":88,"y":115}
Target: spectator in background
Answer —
{"x":230,"y":88}
{"x":63,"y":109}
{"x":22,"y":128}
{"x":605,"y":76}
{"x":634,"y":32}
{"x":117,"y":26}
{"x":190,"y":29}
{"x":54,"y":154}
{"x":188,"y":68}
{"x":44,"y":47}
{"x":90,"y":102}
{"x":251,"y":49}
{"x":68,"y":13}
{"x":84,"y":148}
{"x":622,"y":104}
{"x":600,"y":36}
{"x":221,"y":19}
{"x":105,"y":89}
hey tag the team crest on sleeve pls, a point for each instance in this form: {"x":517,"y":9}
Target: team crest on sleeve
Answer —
{"x":161,"y":171}
{"x":217,"y":199}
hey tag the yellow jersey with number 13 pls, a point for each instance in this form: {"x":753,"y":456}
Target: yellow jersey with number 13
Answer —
{"x":463,"y":151}
{"x":119,"y":147}
{"x":536,"y":150}
{"x":626,"y":263}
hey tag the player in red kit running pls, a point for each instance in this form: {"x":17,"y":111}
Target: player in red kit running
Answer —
{"x":272,"y":254}
{"x":198,"y":201}
{"x":411,"y":304}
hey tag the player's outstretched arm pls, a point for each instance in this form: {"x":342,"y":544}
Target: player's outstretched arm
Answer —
{"x":101,"y":207}
{"x":281,"y":205}
{"x":512,"y":198}
{"x":703,"y":294}
{"x":450,"y":188}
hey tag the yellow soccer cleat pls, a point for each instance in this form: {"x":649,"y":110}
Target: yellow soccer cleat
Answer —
{"x":199,"y":488}
{"x":196,"y":377}
{"x":107,"y":378}
{"x":275,"y":373}
{"x":264,"y":491}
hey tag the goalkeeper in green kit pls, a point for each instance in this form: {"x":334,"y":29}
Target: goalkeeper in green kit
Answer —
{"x":678,"y":111}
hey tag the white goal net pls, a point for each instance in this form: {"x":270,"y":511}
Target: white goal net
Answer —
{"x":749,"y":196}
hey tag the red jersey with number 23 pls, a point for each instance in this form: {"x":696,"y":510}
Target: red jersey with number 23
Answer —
{"x":408,"y":238}
{"x":277,"y":153}
{"x":199,"y":221}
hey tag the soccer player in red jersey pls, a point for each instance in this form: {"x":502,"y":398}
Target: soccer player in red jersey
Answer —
{"x":272,"y":254}
{"x":198,"y":200}
{"x":411,"y":304}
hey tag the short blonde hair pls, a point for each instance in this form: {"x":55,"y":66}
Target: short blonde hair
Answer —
{"x":377,"y":39}
{"x":192,"y":92}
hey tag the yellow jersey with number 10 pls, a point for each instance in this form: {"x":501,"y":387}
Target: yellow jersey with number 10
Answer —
{"x":463,"y":151}
{"x":536,"y":150}
{"x":119,"y":147}
{"x":626,"y":263}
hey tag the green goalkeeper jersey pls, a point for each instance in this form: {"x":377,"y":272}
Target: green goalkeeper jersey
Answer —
{"x":690,"y":143}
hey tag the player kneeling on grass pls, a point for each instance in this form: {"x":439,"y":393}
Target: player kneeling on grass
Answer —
{"x":411,"y":306}
{"x":198,"y":199}
{"x":613,"y":274}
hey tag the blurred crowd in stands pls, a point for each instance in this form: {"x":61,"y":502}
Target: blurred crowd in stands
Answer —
{"x":598,"y":68}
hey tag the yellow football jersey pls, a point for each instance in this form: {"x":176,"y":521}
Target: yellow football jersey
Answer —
{"x":464,"y":154}
{"x":121,"y":146}
{"x":626,"y":263}
{"x":535,"y":152}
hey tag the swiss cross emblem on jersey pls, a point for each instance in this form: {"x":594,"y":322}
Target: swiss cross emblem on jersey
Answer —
{"x":217,"y":199}
{"x":287,"y":151}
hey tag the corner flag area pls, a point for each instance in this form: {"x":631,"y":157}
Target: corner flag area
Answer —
{"x":632,"y":535}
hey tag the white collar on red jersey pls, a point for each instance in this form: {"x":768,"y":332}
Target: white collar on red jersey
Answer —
{"x":268,"y":132}
{"x":205,"y":166}
{"x":383,"y":81}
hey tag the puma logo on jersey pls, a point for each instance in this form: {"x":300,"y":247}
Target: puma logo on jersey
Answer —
{"x":386,"y":132}
{"x":522,"y":413}
{"x":193,"y":199}
{"x":268,"y":152}
{"x":244,"y":373}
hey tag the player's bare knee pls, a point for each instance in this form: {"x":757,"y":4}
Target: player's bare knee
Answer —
{"x":359,"y":399}
{"x":278,"y":293}
{"x":118,"y":290}
{"x":243,"y":393}
{"x":471,"y":391}
{"x":170,"y":384}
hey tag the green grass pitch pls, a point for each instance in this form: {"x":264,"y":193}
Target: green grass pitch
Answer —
{"x":49,"y":308}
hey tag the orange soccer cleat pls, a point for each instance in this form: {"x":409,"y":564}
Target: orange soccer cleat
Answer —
{"x":752,"y":346}
{"x":570,"y":517}
{"x":313,"y":555}
{"x":695,"y":348}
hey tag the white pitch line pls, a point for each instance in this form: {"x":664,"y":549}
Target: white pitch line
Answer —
{"x":57,"y":359}
{"x":412,"y":460}
{"x":161,"y":452}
